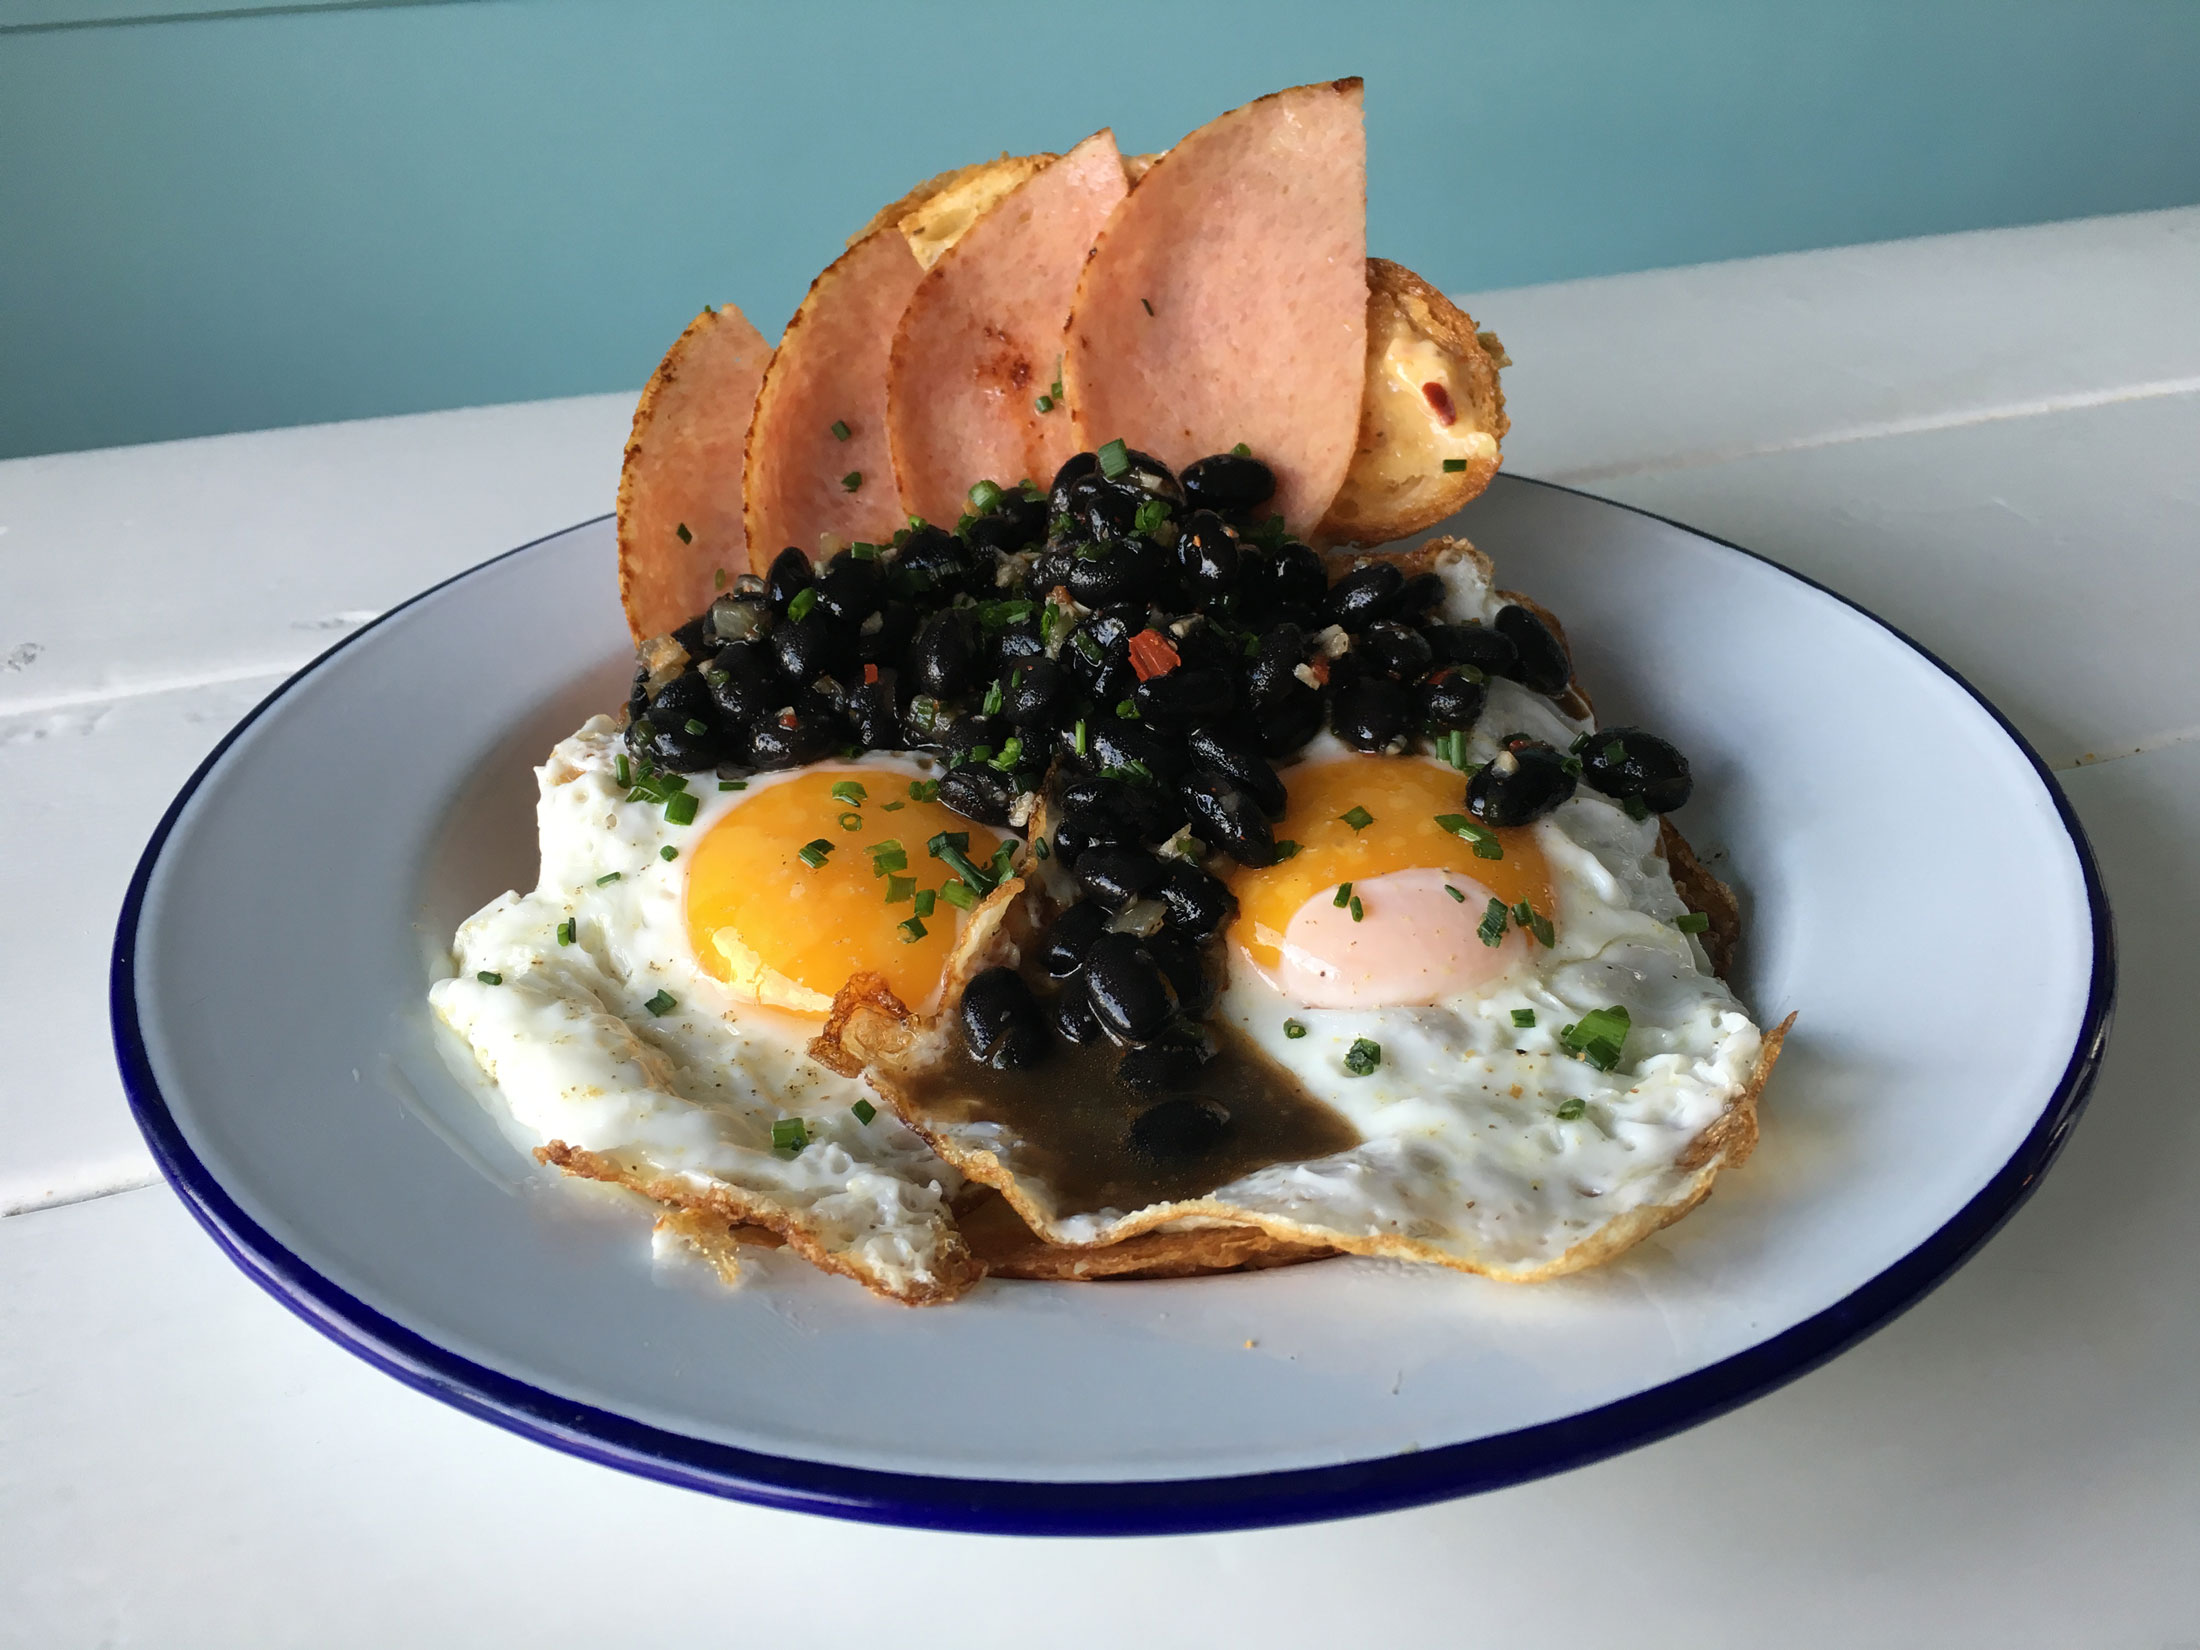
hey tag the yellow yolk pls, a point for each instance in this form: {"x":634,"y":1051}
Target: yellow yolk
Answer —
{"x":784,"y":932}
{"x":1404,"y":796}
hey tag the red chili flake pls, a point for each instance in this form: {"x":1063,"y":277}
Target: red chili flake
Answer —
{"x":1151,"y":655}
{"x":1440,"y":399}
{"x":870,"y":674}
{"x":1320,"y":668}
{"x":786,"y":719}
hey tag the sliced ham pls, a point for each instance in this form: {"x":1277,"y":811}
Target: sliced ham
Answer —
{"x":1226,"y":300}
{"x":979,"y":342}
{"x":806,"y":483}
{"x":680,"y":515}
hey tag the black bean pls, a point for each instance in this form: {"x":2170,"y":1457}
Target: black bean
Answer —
{"x":1179,"y":1130}
{"x":1113,"y":570}
{"x":1393,"y":649}
{"x":812,"y":646}
{"x":1160,"y":1067}
{"x":1227,"y":482}
{"x":1134,"y":748}
{"x":971,"y":738}
{"x":1184,"y":697}
{"x":1450,"y":697}
{"x":1034,"y":692}
{"x":1100,"y":508}
{"x":789,"y":739}
{"x":790,"y":575}
{"x":1369,"y":712}
{"x":1112,"y":876}
{"x":1543,"y":667}
{"x":1627,"y":762}
{"x":873,"y":715}
{"x":1025,"y":517}
{"x":1473,"y":644}
{"x":1180,"y":965}
{"x":1524,"y":781}
{"x":1296,"y":579}
{"x":1291,"y":721}
{"x":1081,"y":831}
{"x":1097,"y":656}
{"x":1273,"y":672}
{"x":1198,"y":902}
{"x":849,"y":588}
{"x":694,"y":637}
{"x":1225,"y":815}
{"x":884,"y":637}
{"x":1207,"y":556}
{"x":937,"y":559}
{"x":742,"y":679}
{"x":1127,"y":989}
{"x":1423,"y":594}
{"x":939,"y":659}
{"x":1364,"y":595}
{"x":1074,"y":1020}
{"x":1095,"y":794}
{"x":1062,"y":952}
{"x":1016,"y":644}
{"x":1228,"y":750}
{"x":684,"y":700}
{"x":1001,"y":1024}
{"x":979,"y":793}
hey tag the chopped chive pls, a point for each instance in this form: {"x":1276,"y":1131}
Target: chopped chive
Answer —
{"x":1115,"y":460}
{"x":1150,"y":516}
{"x":1570,"y":1110}
{"x":1242,"y":450}
{"x":1357,"y":817}
{"x":680,"y":808}
{"x":1599,"y":1037}
{"x":1286,"y":849}
{"x":608,"y":878}
{"x":1004,"y":861}
{"x":840,"y":430}
{"x":789,"y":1134}
{"x":1363,"y":1056}
{"x":1358,"y":910}
{"x":993,"y":696}
{"x":1492,"y":928}
{"x":813,"y":854}
{"x":862,"y":550}
{"x":733,"y":785}
{"x":1480,"y":838}
{"x":984,"y":495}
{"x":1528,"y":917}
{"x":1451,"y":749}
{"x":888,"y":855}
{"x":1452,"y":466}
{"x":1572,"y":764}
{"x":851,"y":481}
{"x":686,"y":537}
{"x":1012,"y":750}
{"x":851,"y":791}
{"x":1040,"y":849}
{"x":893,"y":807}
{"x":1044,"y":404}
{"x":663,"y":1003}
{"x":804,"y":599}
{"x":900,"y":889}
{"x":1344,"y":895}
{"x":912,"y":930}
{"x":959,"y":895}
{"x":1524,"y":1018}
{"x":851,"y":821}
{"x":1126,"y":710}
{"x":718,"y":578}
{"x":668,"y":853}
{"x":1636,"y":808}
{"x":568,"y":931}
{"x":924,"y":901}
{"x":1147,"y":304}
{"x":1293,"y":1030}
{"x":696,"y":729}
{"x":864,"y":1111}
{"x":1614,"y":751}
{"x":1692,"y":922}
{"x":621,"y":772}
{"x":489,"y":977}
{"x":1455,"y":894}
{"x":1080,"y":736}
{"x":923,"y":790}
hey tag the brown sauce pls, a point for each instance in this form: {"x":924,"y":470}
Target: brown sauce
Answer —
{"x":1074,"y":1120}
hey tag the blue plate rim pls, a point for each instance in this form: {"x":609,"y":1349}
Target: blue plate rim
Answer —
{"x":1132,"y":1507}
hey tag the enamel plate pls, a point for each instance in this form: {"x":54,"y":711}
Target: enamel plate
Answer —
{"x":1914,"y":887}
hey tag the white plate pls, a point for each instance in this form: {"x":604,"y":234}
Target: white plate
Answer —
{"x":1914,"y":885}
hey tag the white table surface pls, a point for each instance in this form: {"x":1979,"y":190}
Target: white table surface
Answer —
{"x":1993,"y":440}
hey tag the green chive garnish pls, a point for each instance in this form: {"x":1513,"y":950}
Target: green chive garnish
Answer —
{"x":1293,"y":1030}
{"x":813,"y":854}
{"x":789,"y":1134}
{"x":621,"y":772}
{"x":958,"y":895}
{"x":899,"y":889}
{"x":1357,"y":817}
{"x":663,"y":1003}
{"x":1455,"y":894}
{"x":1363,"y":1056}
{"x":1151,"y":515}
{"x":864,"y":1111}
{"x":489,"y":977}
{"x":568,"y":930}
{"x":1452,"y":466}
{"x":893,"y":807}
{"x":851,"y":821}
{"x":1636,"y":808}
{"x":851,"y":481}
{"x":1045,"y":403}
{"x":1492,"y":928}
{"x":1242,"y":450}
{"x":1358,"y":910}
{"x":1570,"y":1110}
{"x":1126,"y":710}
{"x":887,"y":856}
{"x":1528,"y":917}
{"x":1344,"y":895}
{"x":696,"y":729}
{"x":926,"y":900}
{"x":1147,"y":305}
{"x":993,"y":695}
{"x":733,"y":784}
{"x":1080,"y":736}
{"x":1599,"y":1037}
{"x":804,"y":599}
{"x":1478,"y":837}
{"x":984,"y":495}
{"x":1040,"y":849}
{"x":718,"y":578}
{"x":1286,"y":849}
{"x":850,"y":791}
{"x":686,"y":537}
{"x":608,"y":878}
{"x":840,"y":430}
{"x":1115,"y":460}
{"x":923,"y":790}
{"x":668,"y":853}
{"x":911,"y":931}
{"x":680,"y":808}
{"x":1692,"y":922}
{"x":1524,"y":1018}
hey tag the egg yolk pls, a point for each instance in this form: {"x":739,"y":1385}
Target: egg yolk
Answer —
{"x":780,"y":930}
{"x":1423,"y":893}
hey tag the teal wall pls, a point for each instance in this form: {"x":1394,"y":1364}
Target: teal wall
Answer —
{"x":220,"y":222}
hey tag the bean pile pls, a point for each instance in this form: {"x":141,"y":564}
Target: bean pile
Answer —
{"x":1157,"y":644}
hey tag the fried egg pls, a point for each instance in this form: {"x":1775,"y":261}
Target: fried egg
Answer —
{"x":645,"y":1012}
{"x":1531,"y":1046}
